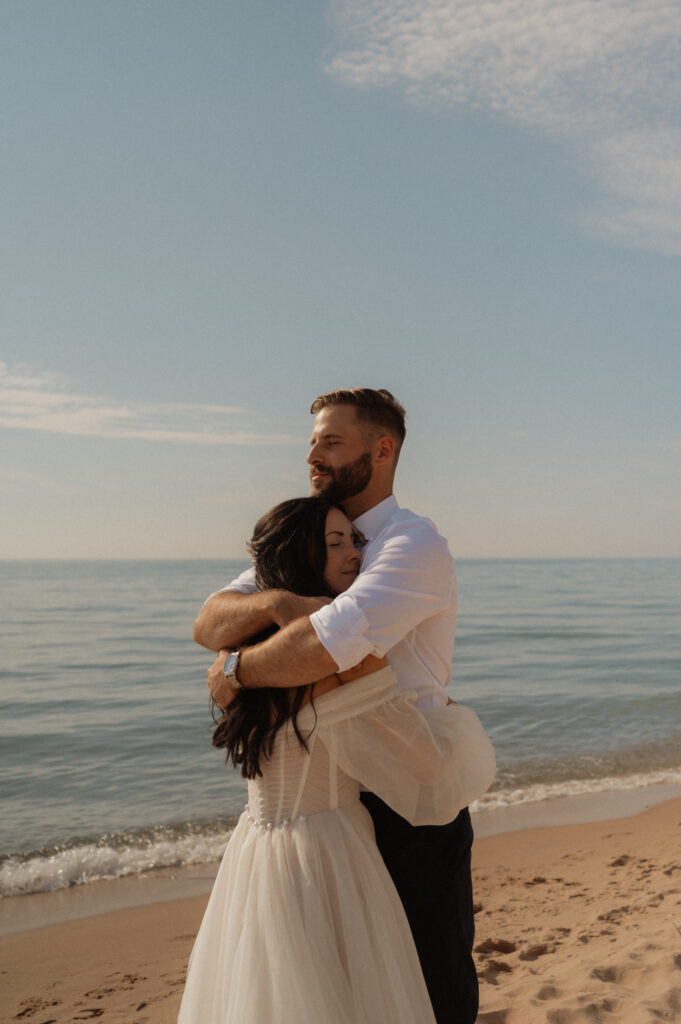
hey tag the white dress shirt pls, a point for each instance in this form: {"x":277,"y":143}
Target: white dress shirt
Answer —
{"x":403,"y":603}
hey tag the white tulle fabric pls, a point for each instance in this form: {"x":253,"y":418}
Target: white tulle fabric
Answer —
{"x":304,"y":924}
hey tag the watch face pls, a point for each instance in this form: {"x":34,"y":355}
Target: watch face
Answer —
{"x":231,"y":662}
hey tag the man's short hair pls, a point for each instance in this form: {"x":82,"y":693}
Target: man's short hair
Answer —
{"x":379,"y":409}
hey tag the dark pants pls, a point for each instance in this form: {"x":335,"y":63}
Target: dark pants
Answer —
{"x":431,"y":868}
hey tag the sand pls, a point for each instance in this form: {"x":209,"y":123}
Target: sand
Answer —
{"x":582,"y":924}
{"x":576,"y":924}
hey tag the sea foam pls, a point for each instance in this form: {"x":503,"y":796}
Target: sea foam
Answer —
{"x":539,"y":791}
{"x":89,"y":862}
{"x":135,"y":853}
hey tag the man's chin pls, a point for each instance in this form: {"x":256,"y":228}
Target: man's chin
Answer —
{"x":321,"y":486}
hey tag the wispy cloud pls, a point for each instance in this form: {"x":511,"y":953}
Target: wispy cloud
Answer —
{"x":20,"y":479}
{"x":604,"y":73}
{"x":33,"y":400}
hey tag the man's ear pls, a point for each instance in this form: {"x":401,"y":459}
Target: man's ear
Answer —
{"x":384,"y":449}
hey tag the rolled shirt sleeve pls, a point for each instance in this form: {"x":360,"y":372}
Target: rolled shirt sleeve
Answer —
{"x":406,"y":578}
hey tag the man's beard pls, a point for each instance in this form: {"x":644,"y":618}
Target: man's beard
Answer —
{"x":345,"y":481}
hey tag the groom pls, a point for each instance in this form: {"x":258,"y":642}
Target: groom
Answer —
{"x":403,"y":604}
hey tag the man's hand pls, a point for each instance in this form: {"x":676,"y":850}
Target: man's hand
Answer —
{"x":222,"y":690}
{"x":286,"y":607}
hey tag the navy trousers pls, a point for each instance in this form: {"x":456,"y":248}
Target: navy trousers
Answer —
{"x":431,"y":868}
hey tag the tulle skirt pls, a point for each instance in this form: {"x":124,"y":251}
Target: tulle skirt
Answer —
{"x":304,"y":926}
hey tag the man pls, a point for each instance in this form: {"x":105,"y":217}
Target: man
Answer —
{"x":403,"y":604}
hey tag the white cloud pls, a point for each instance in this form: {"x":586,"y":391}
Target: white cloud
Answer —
{"x":604,"y":73}
{"x":21,"y":479}
{"x":643,"y":170}
{"x":32,"y":400}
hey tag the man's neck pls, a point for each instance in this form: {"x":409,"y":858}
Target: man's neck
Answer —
{"x":367,"y":499}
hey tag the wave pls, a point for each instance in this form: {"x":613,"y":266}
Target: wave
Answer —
{"x":113,"y":856}
{"x":136,"y":852}
{"x":539,"y":791}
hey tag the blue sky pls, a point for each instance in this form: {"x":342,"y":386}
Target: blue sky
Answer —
{"x":212,"y":212}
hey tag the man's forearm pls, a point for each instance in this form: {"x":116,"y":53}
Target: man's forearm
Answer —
{"x":229,"y":618}
{"x":292,"y":657}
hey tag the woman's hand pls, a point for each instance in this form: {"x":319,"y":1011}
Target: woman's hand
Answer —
{"x":366,"y":666}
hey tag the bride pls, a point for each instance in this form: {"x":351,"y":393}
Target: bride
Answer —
{"x":304,"y":924}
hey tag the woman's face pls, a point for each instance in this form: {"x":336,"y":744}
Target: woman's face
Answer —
{"x":342,"y":557}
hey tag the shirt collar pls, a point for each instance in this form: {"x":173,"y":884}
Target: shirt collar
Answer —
{"x":371,"y":522}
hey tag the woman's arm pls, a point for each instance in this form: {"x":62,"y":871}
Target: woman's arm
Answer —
{"x":425,"y":763}
{"x":370,"y":664}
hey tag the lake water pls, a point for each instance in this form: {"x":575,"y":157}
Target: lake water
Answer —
{"x":574,"y":668}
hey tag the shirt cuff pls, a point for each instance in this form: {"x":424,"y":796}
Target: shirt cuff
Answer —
{"x":340,"y":627}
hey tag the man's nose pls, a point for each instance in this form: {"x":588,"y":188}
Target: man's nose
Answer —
{"x":313,"y":456}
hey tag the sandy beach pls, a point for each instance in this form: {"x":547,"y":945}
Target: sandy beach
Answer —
{"x":575,"y":923}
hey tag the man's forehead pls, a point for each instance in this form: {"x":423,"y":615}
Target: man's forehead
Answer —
{"x":336,"y":420}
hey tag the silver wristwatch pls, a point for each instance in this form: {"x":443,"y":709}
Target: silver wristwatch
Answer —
{"x":230,"y":667}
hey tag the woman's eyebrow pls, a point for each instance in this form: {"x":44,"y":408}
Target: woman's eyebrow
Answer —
{"x":338,"y":533}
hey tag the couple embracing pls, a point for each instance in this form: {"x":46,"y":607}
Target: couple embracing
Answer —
{"x":344,"y":895}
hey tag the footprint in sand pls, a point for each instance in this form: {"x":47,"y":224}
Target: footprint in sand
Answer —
{"x":548,"y":992}
{"x":596,"y":1009}
{"x":31,"y":1006}
{"x":620,"y":861}
{"x":615,"y":915}
{"x":609,"y":974}
{"x":535,"y":951}
{"x":495,"y":946}
{"x":494,"y":968}
{"x":99,"y":993}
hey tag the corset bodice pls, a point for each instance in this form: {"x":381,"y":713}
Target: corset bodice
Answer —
{"x":296,"y":783}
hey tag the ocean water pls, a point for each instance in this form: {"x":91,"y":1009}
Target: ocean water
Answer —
{"x":574,"y":667}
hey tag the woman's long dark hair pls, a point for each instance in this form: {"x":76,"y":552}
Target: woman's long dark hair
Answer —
{"x":288,"y":547}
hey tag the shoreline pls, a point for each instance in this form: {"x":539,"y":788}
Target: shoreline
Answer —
{"x":31,"y":911}
{"x":575,"y":923}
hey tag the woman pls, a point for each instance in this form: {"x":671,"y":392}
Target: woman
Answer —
{"x":304,"y":923}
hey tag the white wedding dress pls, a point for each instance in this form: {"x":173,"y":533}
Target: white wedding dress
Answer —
{"x":304,"y":925}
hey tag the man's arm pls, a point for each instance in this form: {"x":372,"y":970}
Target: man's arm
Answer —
{"x":410,"y":578}
{"x":294,"y":656}
{"x":229,"y":617}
